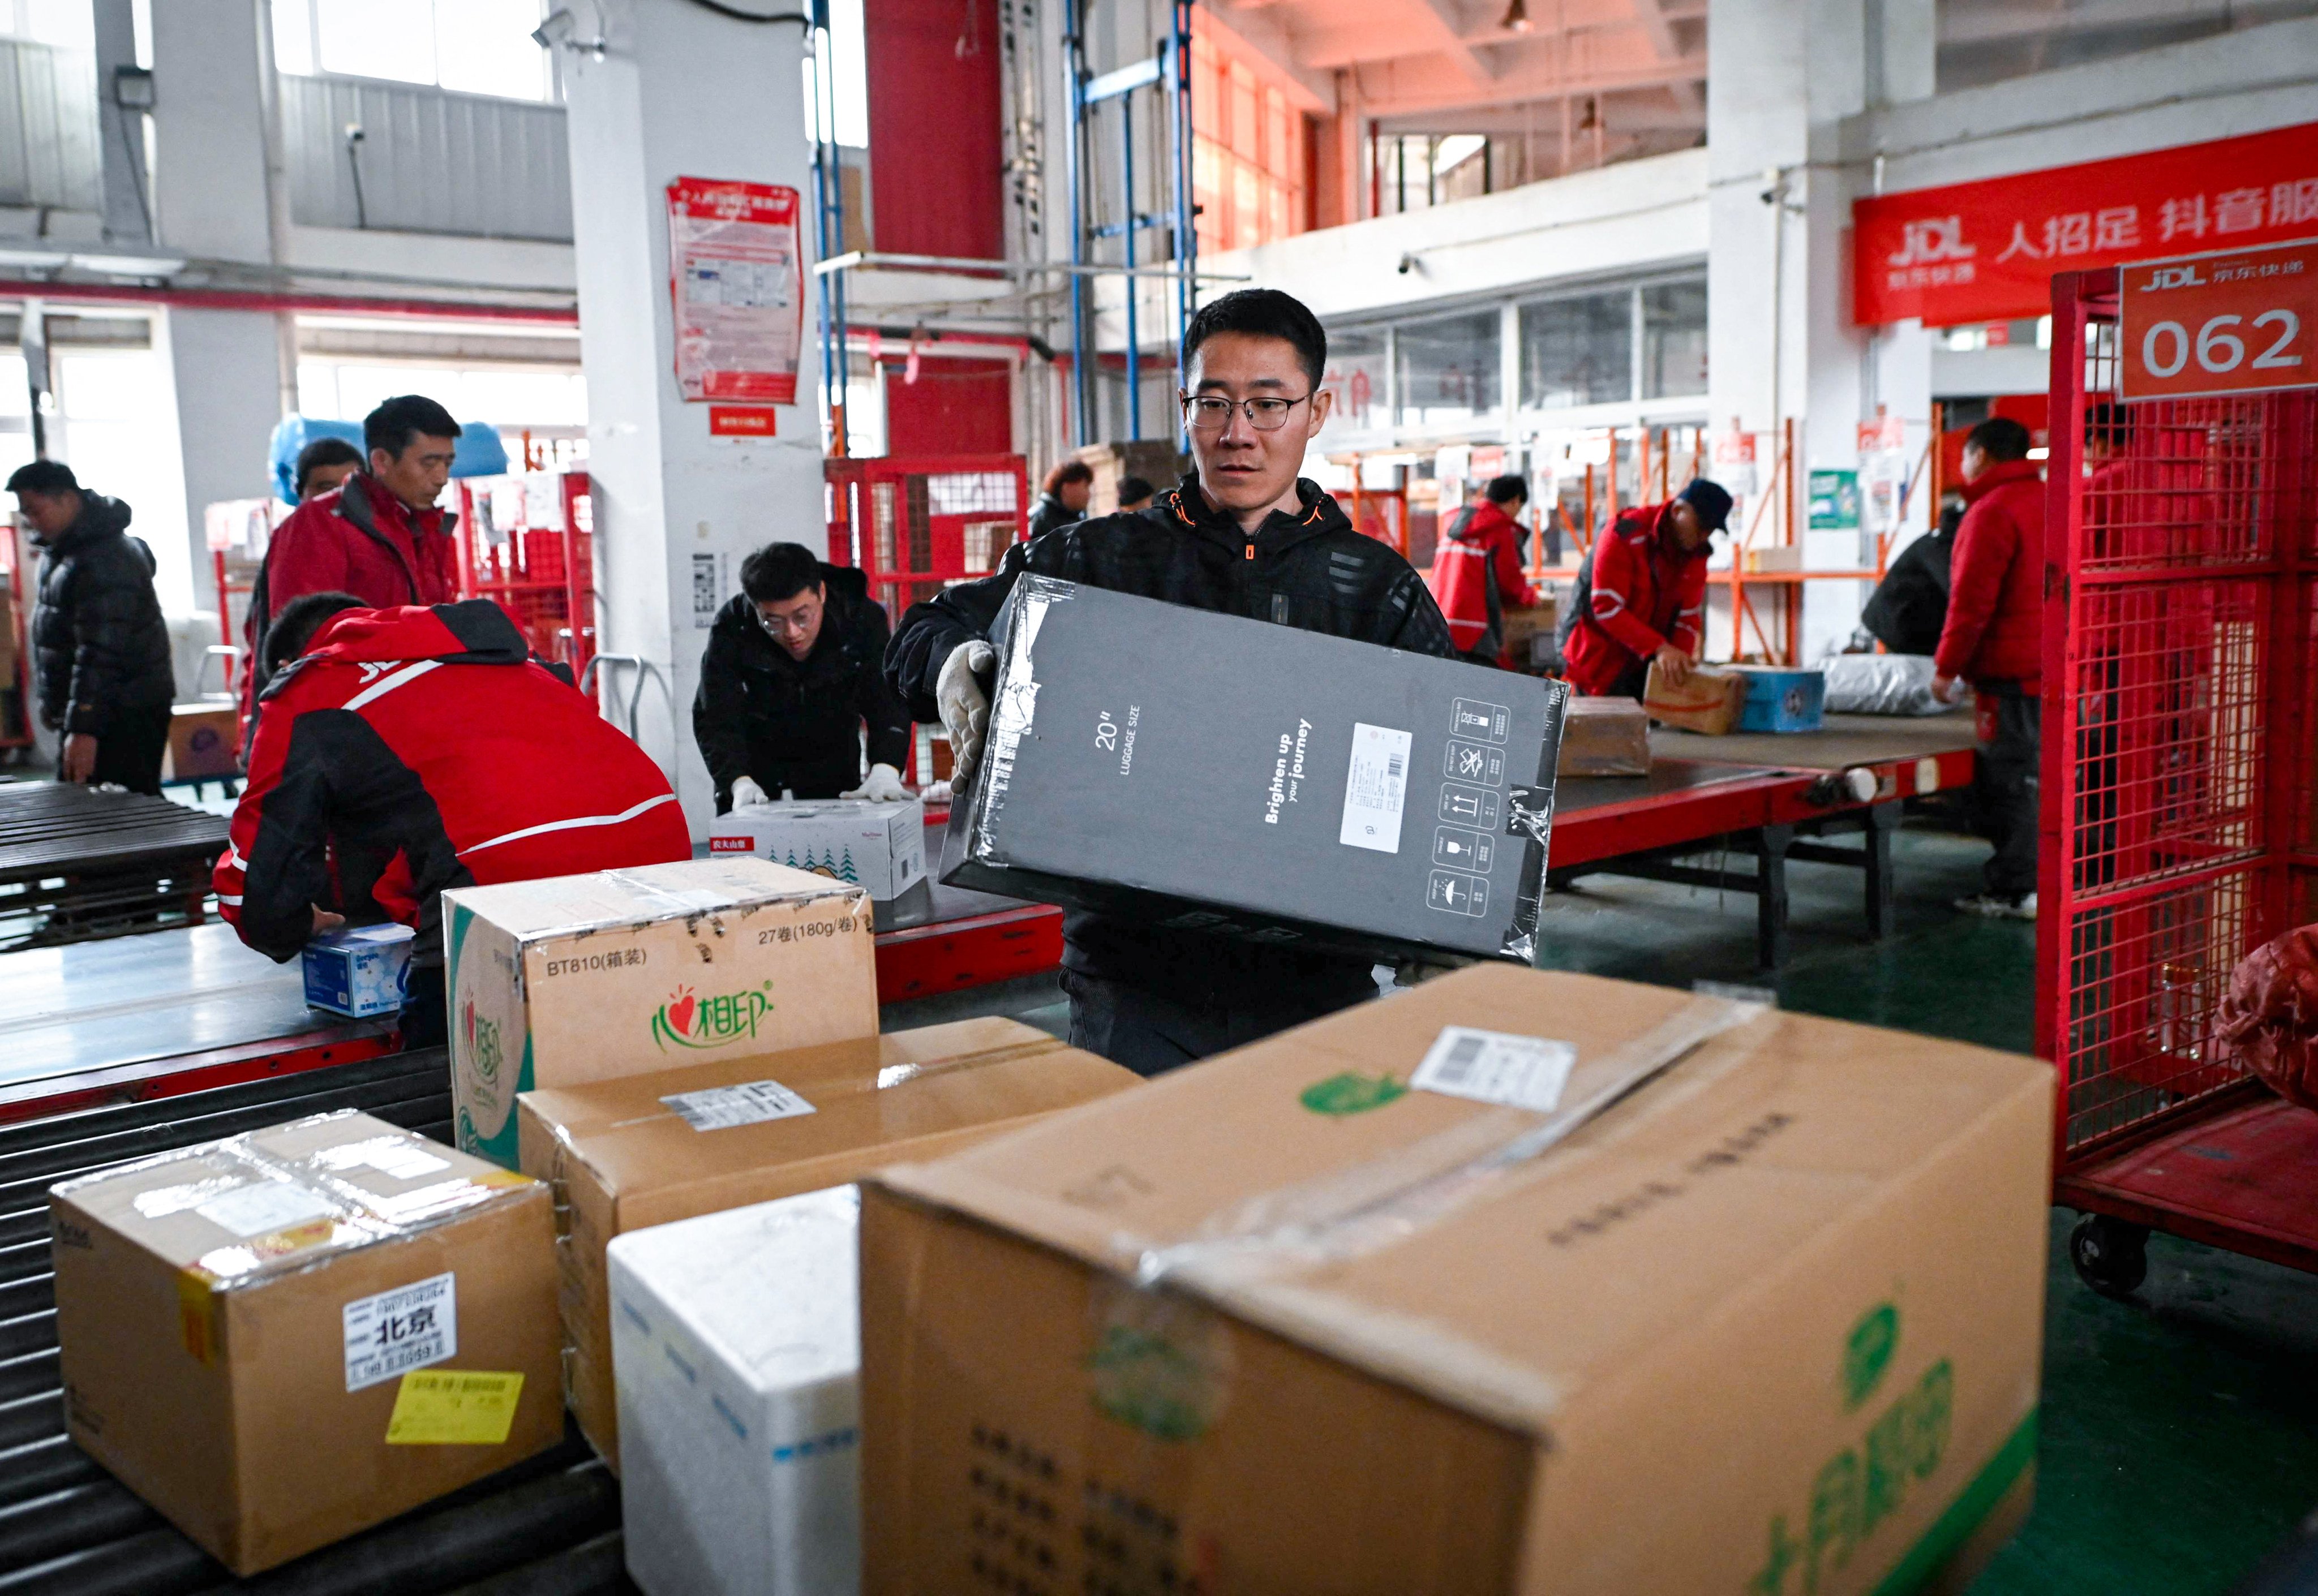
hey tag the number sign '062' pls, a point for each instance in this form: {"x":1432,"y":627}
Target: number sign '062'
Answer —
{"x":2243,"y":322}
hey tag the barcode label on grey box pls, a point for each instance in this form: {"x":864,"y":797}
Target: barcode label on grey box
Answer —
{"x":1376,"y":788}
{"x":753,"y":1102}
{"x":1497,"y":1067}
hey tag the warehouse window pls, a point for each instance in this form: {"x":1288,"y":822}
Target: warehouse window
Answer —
{"x":1577,"y":351}
{"x":1674,"y":338}
{"x":1247,"y":152}
{"x":1446,"y":370}
{"x":470,"y":47}
{"x":1356,"y":375}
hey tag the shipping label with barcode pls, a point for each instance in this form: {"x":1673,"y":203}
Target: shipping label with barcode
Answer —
{"x":1497,"y":1067}
{"x":1376,"y":788}
{"x":401,"y":1330}
{"x":753,"y":1102}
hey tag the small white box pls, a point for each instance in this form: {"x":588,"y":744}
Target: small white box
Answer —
{"x":736,"y":1353}
{"x":880,"y":846}
{"x":360,"y":971}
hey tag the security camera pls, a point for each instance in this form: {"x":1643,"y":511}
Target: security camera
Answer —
{"x":355,"y":134}
{"x":1409,"y":262}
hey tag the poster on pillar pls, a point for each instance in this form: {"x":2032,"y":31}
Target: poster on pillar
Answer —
{"x":1987,"y":251}
{"x":737,"y":276}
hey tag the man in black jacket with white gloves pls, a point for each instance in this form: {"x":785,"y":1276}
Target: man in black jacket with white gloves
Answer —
{"x":1242,"y":536}
{"x":791,"y":680}
{"x":100,"y":647}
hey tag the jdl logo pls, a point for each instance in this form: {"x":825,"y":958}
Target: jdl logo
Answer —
{"x":1931,"y":238}
{"x":2165,"y":277}
{"x":1106,"y":733}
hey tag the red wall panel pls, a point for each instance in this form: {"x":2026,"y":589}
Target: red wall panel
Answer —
{"x":955,"y":406}
{"x":935,"y":157}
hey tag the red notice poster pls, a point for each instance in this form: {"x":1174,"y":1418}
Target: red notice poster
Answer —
{"x":1987,"y":251}
{"x":736,"y":274}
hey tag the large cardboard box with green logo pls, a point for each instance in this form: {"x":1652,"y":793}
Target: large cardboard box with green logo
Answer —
{"x":583,"y":978}
{"x":1517,"y":1282}
{"x":653,"y":1149}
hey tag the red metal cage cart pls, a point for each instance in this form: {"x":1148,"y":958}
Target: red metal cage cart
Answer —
{"x":2178,"y":833}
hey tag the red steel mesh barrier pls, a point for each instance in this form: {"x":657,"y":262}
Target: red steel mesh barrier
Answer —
{"x":2181,"y":661}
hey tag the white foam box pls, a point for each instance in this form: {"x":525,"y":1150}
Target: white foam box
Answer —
{"x":880,"y":846}
{"x":736,"y":1352}
{"x":359,"y":971}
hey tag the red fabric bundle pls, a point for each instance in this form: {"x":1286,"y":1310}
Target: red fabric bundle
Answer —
{"x":2269,"y":1015}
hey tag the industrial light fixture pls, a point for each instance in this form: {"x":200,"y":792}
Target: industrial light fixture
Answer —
{"x":1516,"y":17}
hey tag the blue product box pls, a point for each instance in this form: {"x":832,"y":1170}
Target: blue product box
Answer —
{"x":1781,"y":700}
{"x":359,"y":971}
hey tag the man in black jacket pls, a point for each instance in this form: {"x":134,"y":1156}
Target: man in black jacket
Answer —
{"x":100,"y":648}
{"x":1242,"y":536}
{"x":791,"y":673}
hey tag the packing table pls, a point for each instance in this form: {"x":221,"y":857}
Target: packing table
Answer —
{"x":1770,"y":796}
{"x":160,"y":1014}
{"x":935,"y":938}
{"x":78,"y":863}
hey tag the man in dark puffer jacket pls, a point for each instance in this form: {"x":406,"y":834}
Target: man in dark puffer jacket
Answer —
{"x":1243,"y":535}
{"x":100,"y":648}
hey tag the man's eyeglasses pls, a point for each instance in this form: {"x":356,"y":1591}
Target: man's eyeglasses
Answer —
{"x":1209,"y":412}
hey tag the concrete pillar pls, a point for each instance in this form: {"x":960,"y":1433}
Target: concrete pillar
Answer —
{"x":1782,"y":74}
{"x":120,"y":134}
{"x":679,"y":91}
{"x":209,"y":201}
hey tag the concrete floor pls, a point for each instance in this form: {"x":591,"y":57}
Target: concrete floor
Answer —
{"x":2178,"y":1440}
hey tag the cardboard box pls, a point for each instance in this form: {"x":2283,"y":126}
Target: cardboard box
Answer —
{"x":285,"y":1336}
{"x":646,"y":1149}
{"x":200,"y":743}
{"x":583,"y":978}
{"x":1749,"y":1301}
{"x":1367,"y":801}
{"x":1604,"y":737}
{"x":1709,"y":700}
{"x":359,"y":971}
{"x":738,"y":1344}
{"x":1779,"y":699}
{"x":1780,"y":560}
{"x":880,"y":847}
{"x":1524,"y":625}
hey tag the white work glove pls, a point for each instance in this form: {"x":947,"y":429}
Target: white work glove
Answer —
{"x":883,"y":785}
{"x":964,"y":703}
{"x":746,"y":792}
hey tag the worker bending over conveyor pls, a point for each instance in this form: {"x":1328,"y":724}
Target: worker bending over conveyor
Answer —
{"x":1642,"y":595}
{"x":793,"y":672}
{"x":401,"y":751}
{"x":1242,"y":536}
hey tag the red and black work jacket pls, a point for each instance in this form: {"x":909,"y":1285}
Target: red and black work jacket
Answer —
{"x":412,"y":750}
{"x":1647,"y":593}
{"x":1476,"y":571}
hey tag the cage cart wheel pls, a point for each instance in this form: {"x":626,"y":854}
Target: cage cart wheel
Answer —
{"x":2111,"y":1256}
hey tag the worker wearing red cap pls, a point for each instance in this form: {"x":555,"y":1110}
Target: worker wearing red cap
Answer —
{"x":1642,"y":595}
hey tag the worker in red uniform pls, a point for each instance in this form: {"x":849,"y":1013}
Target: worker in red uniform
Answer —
{"x":1994,"y":639}
{"x":414,"y":749}
{"x":379,"y":536}
{"x":1642,"y":595}
{"x":1476,"y":571}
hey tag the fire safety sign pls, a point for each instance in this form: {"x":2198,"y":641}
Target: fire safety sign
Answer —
{"x":736,"y":274}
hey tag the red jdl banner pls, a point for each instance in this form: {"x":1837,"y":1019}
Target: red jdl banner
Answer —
{"x":1987,"y":251}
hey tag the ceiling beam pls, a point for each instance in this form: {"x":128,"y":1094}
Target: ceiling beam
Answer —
{"x":1448,"y":25}
{"x":1414,"y":87}
{"x":1690,"y":94}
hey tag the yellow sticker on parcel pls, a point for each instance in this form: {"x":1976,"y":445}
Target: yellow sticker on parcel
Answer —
{"x":454,"y":1407}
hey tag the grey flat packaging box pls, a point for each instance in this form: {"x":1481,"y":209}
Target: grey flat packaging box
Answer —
{"x":1210,"y":772}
